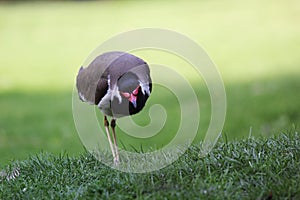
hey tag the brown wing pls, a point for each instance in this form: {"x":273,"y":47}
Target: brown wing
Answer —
{"x":101,"y":90}
{"x":89,"y":80}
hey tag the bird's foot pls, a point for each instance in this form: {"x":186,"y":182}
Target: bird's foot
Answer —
{"x":116,"y":162}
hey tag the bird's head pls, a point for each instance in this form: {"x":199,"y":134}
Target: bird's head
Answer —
{"x":133,"y":98}
{"x":129,"y":85}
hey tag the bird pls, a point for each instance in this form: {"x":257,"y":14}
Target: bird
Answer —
{"x":119,"y":84}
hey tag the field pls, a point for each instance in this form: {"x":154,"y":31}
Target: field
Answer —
{"x":254,"y":44}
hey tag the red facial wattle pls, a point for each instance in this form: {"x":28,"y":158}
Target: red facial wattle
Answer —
{"x":132,"y":97}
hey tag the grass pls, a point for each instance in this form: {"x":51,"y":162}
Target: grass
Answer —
{"x":40,"y":56}
{"x":244,"y":169}
{"x":43,"y":121}
{"x":255,"y":46}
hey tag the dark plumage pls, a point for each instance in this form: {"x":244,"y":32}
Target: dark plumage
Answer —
{"x":118,"y":83}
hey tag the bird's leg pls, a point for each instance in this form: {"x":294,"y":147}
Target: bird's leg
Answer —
{"x":113,"y":125}
{"x":106,"y":125}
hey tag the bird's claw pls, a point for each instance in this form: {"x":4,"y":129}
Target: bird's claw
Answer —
{"x":116,"y":161}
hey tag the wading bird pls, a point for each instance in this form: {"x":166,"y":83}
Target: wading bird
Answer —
{"x":119,"y":84}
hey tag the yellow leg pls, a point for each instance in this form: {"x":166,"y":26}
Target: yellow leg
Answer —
{"x":113,"y":125}
{"x":106,"y":125}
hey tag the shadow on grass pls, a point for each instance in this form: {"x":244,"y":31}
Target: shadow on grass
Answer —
{"x":263,"y":107}
{"x":31,"y":122}
{"x":35,"y":121}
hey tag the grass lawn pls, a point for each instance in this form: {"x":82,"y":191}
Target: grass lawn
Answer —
{"x":244,"y":169}
{"x":255,"y":45}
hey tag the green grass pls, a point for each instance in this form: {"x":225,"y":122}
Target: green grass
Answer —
{"x":31,"y":122}
{"x":255,"y":45}
{"x":244,"y":169}
{"x":43,"y":121}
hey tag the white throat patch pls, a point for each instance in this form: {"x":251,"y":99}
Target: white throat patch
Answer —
{"x":115,"y":93}
{"x":105,"y":103}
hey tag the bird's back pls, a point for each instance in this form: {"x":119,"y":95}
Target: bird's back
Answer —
{"x":88,"y":78}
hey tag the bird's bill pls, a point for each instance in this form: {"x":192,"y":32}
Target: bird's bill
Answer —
{"x":132,"y":99}
{"x":133,"y":102}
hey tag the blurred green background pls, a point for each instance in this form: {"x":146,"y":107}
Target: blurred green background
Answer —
{"x":255,"y":44}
